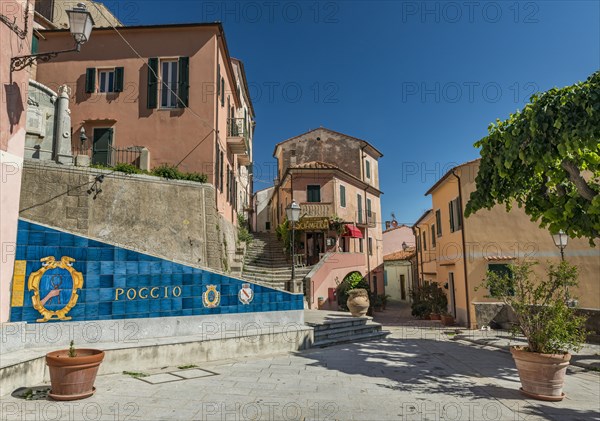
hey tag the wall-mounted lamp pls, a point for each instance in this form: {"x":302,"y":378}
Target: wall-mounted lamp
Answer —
{"x":82,"y":135}
{"x":80,"y":24}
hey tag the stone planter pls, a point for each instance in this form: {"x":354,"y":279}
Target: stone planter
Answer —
{"x":358,"y":302}
{"x":542,"y":375}
{"x":73,"y":378}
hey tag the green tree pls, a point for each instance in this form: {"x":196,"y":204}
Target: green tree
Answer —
{"x":546,"y":158}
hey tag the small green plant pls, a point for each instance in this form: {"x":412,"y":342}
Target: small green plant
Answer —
{"x":171,"y":172}
{"x":541,"y":306}
{"x":243,"y":233}
{"x":127,"y":168}
{"x":135,"y":374}
{"x":72,"y":351}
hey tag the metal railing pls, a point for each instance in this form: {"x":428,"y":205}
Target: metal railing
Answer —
{"x":237,"y":127}
{"x":130,"y":155}
{"x":368,"y":218}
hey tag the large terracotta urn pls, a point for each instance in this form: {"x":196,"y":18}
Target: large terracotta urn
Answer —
{"x":73,"y":378}
{"x":358,"y":302}
{"x":542,"y":375}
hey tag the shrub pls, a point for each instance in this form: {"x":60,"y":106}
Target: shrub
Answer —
{"x":172,"y":173}
{"x":541,"y":306}
{"x":353,"y":281}
{"x":127,"y":168}
{"x":427,"y":299}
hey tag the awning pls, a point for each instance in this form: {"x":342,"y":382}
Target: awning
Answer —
{"x":352,"y":231}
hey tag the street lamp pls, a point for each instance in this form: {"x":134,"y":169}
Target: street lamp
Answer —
{"x":560,"y":241}
{"x":404,"y":246}
{"x":293,"y":215}
{"x":80,"y":25}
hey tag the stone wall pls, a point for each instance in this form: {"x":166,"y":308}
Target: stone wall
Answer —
{"x":176,"y":220}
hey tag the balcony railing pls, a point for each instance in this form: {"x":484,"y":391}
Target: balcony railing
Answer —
{"x":237,"y":136}
{"x":366,"y":218}
{"x":316,"y":209}
{"x":112,"y":156}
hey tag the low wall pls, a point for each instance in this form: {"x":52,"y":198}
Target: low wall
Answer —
{"x":502,"y":315}
{"x":329,"y":273}
{"x":170,"y":218}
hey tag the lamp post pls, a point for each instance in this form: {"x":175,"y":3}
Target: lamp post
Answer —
{"x":80,"y":25}
{"x":560,"y":241}
{"x":404,"y":246}
{"x":293,"y":215}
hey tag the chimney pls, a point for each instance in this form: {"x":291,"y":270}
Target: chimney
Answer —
{"x":387,"y":225}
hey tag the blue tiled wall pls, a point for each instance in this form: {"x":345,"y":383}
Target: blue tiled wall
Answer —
{"x":106,"y":268}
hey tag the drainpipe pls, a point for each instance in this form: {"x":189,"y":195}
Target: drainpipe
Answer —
{"x":415,"y":281}
{"x":362,"y":169}
{"x":464,"y":247}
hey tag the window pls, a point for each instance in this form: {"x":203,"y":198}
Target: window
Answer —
{"x":432,"y":236}
{"x":455,"y":215}
{"x":418,"y":242}
{"x":369,"y":208}
{"x":222,"y":92}
{"x":502,"y":269}
{"x":438,"y":222}
{"x":267,"y":225}
{"x":370,"y":246}
{"x":368,"y":168}
{"x":343,"y":196}
{"x":424,"y":240}
{"x":360,"y":245}
{"x":169,"y":83}
{"x":106,"y":81}
{"x":313,"y":193}
{"x":221,"y":173}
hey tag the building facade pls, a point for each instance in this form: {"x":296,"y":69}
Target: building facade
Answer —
{"x":172,"y":90}
{"x":334,"y":178}
{"x":456,"y":252}
{"x":399,"y":271}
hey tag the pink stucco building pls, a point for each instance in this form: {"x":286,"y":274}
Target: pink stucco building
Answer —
{"x":172,"y":90}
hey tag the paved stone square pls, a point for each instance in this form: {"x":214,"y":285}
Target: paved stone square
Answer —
{"x":415,"y":373}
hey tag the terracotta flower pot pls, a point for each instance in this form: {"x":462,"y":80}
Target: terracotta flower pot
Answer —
{"x":358,"y":302}
{"x":542,"y":375}
{"x":435,"y":316}
{"x":73,"y":378}
{"x":447,"y":320}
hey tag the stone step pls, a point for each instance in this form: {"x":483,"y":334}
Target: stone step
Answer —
{"x":350,"y":339}
{"x":327,"y":327}
{"x":346,"y":332}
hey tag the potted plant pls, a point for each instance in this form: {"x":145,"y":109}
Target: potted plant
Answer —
{"x":358,"y":302}
{"x":549,"y":323}
{"x":447,"y":319}
{"x":73,"y":372}
{"x":377,"y":302}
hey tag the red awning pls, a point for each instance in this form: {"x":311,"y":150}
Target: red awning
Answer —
{"x":352,"y":231}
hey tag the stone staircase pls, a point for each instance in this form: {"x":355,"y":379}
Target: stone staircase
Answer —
{"x":344,"y":330}
{"x":266,"y":263}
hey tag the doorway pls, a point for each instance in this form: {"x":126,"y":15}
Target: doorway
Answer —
{"x":101,"y":148}
{"x":315,"y":244}
{"x":402,"y":288}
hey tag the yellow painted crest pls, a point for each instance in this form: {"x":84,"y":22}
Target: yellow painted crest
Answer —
{"x":211,"y":297}
{"x":55,"y":283}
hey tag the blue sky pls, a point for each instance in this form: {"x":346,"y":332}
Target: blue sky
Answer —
{"x":419,"y":80}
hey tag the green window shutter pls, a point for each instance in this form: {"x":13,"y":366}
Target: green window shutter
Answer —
{"x":438,"y":222}
{"x":451,"y":211}
{"x":90,"y":80}
{"x":184,"y":82}
{"x":458,"y":213}
{"x":433,"y":235}
{"x":152,"y":82}
{"x":218,"y":80}
{"x":343,"y":196}
{"x":34,"y":45}
{"x":222,"y":92}
{"x":119,"y":75}
{"x":368,"y":169}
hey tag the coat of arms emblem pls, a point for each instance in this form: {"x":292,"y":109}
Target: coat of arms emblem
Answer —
{"x":246,"y":294}
{"x":55,"y":286}
{"x":211,"y":297}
